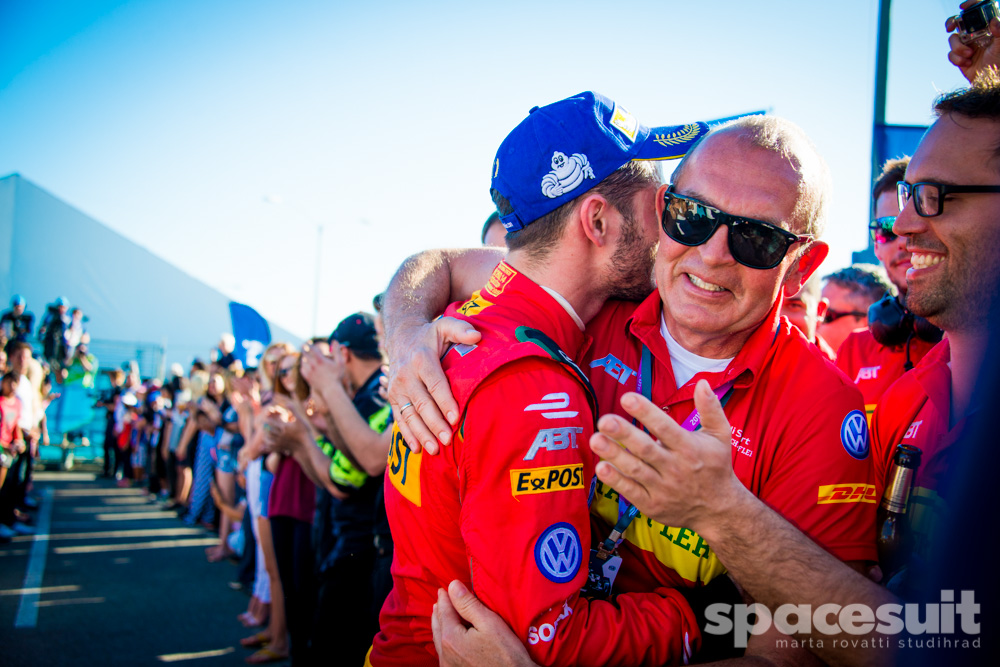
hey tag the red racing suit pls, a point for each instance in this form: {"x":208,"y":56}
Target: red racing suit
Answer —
{"x":504,"y":508}
{"x":916,"y":411}
{"x":873,"y":367}
{"x":800,"y":441}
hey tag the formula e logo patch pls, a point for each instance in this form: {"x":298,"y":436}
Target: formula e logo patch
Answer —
{"x":553,"y":406}
{"x":854,"y":434}
{"x":567,"y":173}
{"x":558,"y":553}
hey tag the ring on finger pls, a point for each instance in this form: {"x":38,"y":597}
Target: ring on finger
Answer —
{"x":403,"y":407}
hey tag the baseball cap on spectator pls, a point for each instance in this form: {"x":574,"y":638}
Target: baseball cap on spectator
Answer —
{"x":62,"y":301}
{"x":357,"y":333}
{"x":17,"y":300}
{"x":562,"y":150}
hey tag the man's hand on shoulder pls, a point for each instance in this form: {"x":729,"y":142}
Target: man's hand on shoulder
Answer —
{"x":418,"y":388}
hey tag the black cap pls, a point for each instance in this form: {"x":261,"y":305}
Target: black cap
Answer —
{"x":357,"y":333}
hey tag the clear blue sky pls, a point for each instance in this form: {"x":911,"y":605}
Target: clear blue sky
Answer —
{"x":174,"y":122}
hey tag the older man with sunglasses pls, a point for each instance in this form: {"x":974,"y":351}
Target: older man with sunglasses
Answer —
{"x":740,"y":226}
{"x":894,"y":341}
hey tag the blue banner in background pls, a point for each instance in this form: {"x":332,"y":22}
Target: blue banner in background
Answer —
{"x":251,"y":333}
{"x":895,"y":141}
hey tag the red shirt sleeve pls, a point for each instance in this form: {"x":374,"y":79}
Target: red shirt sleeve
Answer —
{"x":526,"y":471}
{"x":822,"y":479}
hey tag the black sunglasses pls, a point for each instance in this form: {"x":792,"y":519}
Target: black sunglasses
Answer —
{"x":881,"y":229}
{"x":928,"y":198}
{"x":753,"y":243}
{"x":834,"y":315}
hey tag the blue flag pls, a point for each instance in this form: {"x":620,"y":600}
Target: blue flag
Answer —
{"x":251,"y":333}
{"x":895,"y":141}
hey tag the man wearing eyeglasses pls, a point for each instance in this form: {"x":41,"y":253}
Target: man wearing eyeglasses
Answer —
{"x":739,"y":229}
{"x":950,"y":218}
{"x":875,"y":363}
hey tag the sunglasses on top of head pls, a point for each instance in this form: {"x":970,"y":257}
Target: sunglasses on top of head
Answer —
{"x":753,"y":243}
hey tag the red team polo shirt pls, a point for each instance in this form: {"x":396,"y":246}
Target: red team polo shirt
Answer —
{"x":799,"y":437}
{"x":504,"y":508}
{"x":916,"y":411}
{"x":873,"y":367}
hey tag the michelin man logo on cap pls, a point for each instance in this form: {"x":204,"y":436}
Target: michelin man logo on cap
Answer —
{"x":562,"y":150}
{"x":566,"y":174}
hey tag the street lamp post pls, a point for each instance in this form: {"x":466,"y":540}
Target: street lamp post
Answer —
{"x":319,"y":265}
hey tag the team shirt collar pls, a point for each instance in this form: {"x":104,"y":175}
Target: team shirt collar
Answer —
{"x":745,"y":366}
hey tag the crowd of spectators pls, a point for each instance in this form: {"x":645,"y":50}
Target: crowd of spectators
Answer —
{"x":30,"y":384}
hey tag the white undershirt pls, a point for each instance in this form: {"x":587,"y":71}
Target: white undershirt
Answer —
{"x":688,"y":364}
{"x":561,"y":300}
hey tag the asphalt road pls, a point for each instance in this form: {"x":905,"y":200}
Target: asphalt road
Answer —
{"x":111,"y":578}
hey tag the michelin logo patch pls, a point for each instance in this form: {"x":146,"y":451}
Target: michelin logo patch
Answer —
{"x":854,"y":434}
{"x":558,"y":553}
{"x":567,"y":173}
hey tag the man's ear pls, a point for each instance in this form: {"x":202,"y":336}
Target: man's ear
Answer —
{"x":660,"y":203}
{"x":821,"y":308}
{"x":805,"y":266}
{"x":592,"y":216}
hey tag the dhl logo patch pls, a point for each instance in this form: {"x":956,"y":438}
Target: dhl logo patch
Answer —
{"x":502,"y":275}
{"x":846,"y":493}
{"x":546,"y":480}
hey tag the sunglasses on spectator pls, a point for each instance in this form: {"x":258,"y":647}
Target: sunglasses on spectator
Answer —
{"x":834,"y":315}
{"x":881,"y":229}
{"x":282,"y":372}
{"x":928,"y":198}
{"x":753,"y":243}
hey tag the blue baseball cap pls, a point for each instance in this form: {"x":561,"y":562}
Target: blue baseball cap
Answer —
{"x":17,"y":300}
{"x":562,"y":150}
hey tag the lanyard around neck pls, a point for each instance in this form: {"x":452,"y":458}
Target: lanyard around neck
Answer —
{"x":644,"y":383}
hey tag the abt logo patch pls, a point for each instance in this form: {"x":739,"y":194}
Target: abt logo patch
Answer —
{"x":613,"y":367}
{"x":914,"y":427}
{"x":854,"y":434}
{"x":546,"y":480}
{"x":554,"y":440}
{"x":552,"y":405}
{"x":846,"y":493}
{"x":558,"y":553}
{"x":869,"y":373}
